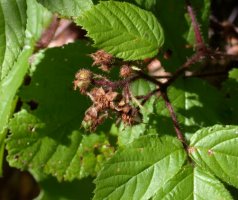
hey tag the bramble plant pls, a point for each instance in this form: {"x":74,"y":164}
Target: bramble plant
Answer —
{"x":139,"y":120}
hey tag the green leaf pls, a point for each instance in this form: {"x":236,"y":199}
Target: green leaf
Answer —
{"x":215,"y":148}
{"x":2,"y":36}
{"x":67,"y":8}
{"x":48,"y":137}
{"x":140,"y":169}
{"x":123,"y":30}
{"x":38,"y":18}
{"x":13,"y":25}
{"x":193,"y":183}
{"x":21,"y":24}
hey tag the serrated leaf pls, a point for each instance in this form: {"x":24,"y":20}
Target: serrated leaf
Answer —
{"x":123,"y":30}
{"x":13,"y":25}
{"x":21,"y":25}
{"x":215,"y":148}
{"x":2,"y":36}
{"x":140,"y":169}
{"x":67,"y":8}
{"x":49,"y":137}
{"x":193,"y":183}
{"x":145,"y":4}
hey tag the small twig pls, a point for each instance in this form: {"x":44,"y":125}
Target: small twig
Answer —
{"x":149,"y":78}
{"x":146,"y":97}
{"x":162,"y":77}
{"x":233,"y":15}
{"x":174,"y":119}
{"x":114,"y":85}
{"x":126,"y":93}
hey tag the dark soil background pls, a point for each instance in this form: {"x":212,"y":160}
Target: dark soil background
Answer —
{"x":17,"y":185}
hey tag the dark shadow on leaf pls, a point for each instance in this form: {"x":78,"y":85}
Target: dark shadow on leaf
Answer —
{"x":78,"y":189}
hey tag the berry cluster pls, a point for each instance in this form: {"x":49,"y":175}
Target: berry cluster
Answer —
{"x":107,"y":97}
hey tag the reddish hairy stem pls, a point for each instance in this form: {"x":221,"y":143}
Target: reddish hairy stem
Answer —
{"x":199,"y":40}
{"x":146,"y":97}
{"x":114,"y":85}
{"x":174,"y":119}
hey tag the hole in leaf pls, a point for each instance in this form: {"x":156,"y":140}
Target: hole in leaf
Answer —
{"x":27,"y":80}
{"x":16,"y":157}
{"x":228,"y":96}
{"x":168,"y":53}
{"x":33,"y":104}
{"x":96,"y":151}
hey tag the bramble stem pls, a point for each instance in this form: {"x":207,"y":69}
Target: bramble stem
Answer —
{"x":149,"y":78}
{"x":174,"y":119}
{"x":200,"y":45}
{"x":116,"y":84}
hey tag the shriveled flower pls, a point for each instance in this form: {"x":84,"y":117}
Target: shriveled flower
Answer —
{"x":131,"y":117}
{"x":93,"y":117}
{"x":125,"y":71}
{"x":103,"y":99}
{"x":102,"y":59}
{"x":83,"y":79}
